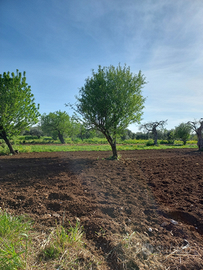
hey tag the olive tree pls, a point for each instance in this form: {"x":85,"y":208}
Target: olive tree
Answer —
{"x":182,"y":132}
{"x":18,"y":110}
{"x":152,"y":127}
{"x":110,"y":100}
{"x":197,"y":126}
{"x":57,"y":123}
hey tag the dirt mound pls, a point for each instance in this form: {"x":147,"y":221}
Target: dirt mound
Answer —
{"x":156,"y":193}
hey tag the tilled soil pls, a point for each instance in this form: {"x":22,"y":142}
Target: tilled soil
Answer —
{"x":155,"y":192}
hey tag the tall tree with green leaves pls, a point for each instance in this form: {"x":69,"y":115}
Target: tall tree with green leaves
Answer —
{"x":18,"y":110}
{"x":57,"y":123}
{"x":110,"y":100}
{"x":182,"y":132}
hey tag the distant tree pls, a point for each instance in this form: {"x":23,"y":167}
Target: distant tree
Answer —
{"x":57,"y":124}
{"x":183,"y":132}
{"x":111,"y":100}
{"x":170,"y":136}
{"x":127,"y":134}
{"x":152,"y":127}
{"x":141,"y":136}
{"x":36,"y":131}
{"x":86,"y":133}
{"x":17,"y":107}
{"x":197,"y":126}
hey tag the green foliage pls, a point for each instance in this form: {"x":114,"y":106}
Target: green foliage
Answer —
{"x":111,"y":100}
{"x":17,"y":107}
{"x":182,"y":132}
{"x":60,"y":240}
{"x":34,"y":131}
{"x":142,"y":136}
{"x":127,"y":134}
{"x":13,"y":241}
{"x":57,"y":124}
{"x":150,"y":142}
{"x":170,"y":136}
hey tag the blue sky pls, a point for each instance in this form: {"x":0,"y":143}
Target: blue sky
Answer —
{"x":59,"y":42}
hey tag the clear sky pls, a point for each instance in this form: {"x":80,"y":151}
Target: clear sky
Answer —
{"x":59,"y":42}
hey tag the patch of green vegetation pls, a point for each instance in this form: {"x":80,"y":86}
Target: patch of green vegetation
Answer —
{"x":94,"y":144}
{"x":62,"y":248}
{"x":14,"y":241}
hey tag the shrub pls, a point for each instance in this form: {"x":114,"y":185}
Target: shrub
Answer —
{"x":150,"y":142}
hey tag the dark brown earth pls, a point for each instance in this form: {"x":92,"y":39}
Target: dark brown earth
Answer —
{"x":155,"y":192}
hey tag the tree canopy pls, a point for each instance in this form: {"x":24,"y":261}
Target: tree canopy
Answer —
{"x":56,"y":124}
{"x":17,"y":107}
{"x":110,"y":100}
{"x":182,"y":132}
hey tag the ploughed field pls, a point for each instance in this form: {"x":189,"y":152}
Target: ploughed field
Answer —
{"x":158,"y":194}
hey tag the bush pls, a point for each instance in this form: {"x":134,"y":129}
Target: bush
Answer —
{"x":166,"y":142}
{"x":150,"y":142}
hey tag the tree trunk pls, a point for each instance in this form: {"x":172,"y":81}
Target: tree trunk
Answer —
{"x":155,"y":138}
{"x":61,"y":138}
{"x":4,"y":137}
{"x":199,"y":136}
{"x":154,"y":132}
{"x":200,"y":143}
{"x":112,"y":144}
{"x":114,"y":150}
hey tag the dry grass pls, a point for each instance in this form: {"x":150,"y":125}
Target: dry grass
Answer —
{"x":61,"y":249}
{"x":67,"y":248}
{"x":134,"y":251}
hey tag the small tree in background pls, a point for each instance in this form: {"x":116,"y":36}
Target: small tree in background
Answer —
{"x":197,"y":126}
{"x":111,"y":100}
{"x":152,"y":127}
{"x":170,"y":136}
{"x":127,"y":134}
{"x":57,"y":124}
{"x":18,"y":110}
{"x":183,"y":132}
{"x":34,"y":131}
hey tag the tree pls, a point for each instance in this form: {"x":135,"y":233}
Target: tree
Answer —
{"x":34,"y":131}
{"x":17,"y":107}
{"x":111,"y":100}
{"x":197,"y":126}
{"x":141,"y":136}
{"x":127,"y":134}
{"x":56,"y":124}
{"x":152,"y":127}
{"x":86,"y":133}
{"x":170,"y":135}
{"x":183,"y":132}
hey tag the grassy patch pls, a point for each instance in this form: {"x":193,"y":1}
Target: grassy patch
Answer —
{"x":13,"y":241}
{"x":23,"y":248}
{"x":95,"y":144}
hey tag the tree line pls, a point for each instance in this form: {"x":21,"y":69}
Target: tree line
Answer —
{"x":74,"y":130}
{"x":110,"y":100}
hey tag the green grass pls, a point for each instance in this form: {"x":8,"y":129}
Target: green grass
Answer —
{"x":13,"y":241}
{"x":75,"y":148}
{"x":62,"y":248}
{"x":46,"y":144}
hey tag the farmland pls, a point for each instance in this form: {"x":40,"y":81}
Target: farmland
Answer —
{"x":143,"y":211}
